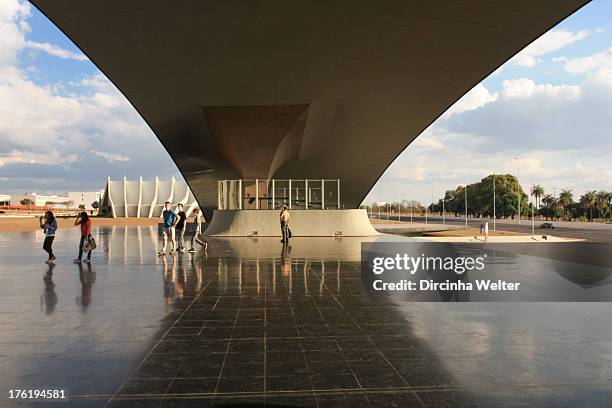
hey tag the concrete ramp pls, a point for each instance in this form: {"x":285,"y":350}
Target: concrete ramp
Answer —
{"x":304,"y":223}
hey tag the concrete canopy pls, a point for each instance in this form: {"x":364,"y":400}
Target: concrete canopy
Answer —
{"x":310,"y":89}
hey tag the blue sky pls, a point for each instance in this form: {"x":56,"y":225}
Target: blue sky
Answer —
{"x":64,"y":127}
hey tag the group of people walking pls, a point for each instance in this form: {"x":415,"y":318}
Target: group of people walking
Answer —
{"x":174,"y":227}
{"x":49,"y":225}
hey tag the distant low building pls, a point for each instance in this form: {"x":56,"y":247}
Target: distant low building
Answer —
{"x":85,"y":198}
{"x":139,"y":198}
{"x":40,"y":200}
{"x":5,"y":199}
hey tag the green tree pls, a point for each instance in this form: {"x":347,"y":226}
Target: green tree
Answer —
{"x":609,"y":203}
{"x":588,"y":202}
{"x":550,"y":203}
{"x":537,"y":191}
{"x":480,"y":198}
{"x":26,"y":201}
{"x":566,"y":199}
{"x":601,"y":203}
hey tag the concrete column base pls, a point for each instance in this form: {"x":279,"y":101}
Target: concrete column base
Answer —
{"x":304,"y":223}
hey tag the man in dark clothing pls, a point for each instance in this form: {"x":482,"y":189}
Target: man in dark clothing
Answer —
{"x":180,"y":228}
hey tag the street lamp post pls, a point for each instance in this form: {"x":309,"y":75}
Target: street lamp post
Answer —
{"x":532,"y":214}
{"x":518,"y":181}
{"x":405,"y":202}
{"x":555,"y":202}
{"x":465,"y":203}
{"x":494,"y":203}
{"x":443,"y":210}
{"x":432,"y":196}
{"x":399,"y":208}
{"x":411,"y":209}
{"x":532,"y":219}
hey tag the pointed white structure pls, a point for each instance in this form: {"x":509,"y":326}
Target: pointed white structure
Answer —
{"x":126,"y":198}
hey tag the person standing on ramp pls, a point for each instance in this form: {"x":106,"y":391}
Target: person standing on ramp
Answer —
{"x":284,"y":224}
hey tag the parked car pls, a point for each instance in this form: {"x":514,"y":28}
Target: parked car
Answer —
{"x":547,"y":225}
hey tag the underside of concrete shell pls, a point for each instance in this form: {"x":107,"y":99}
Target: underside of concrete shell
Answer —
{"x":297,"y":89}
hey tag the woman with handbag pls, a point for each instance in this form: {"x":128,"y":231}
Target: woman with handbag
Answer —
{"x":85,"y":245}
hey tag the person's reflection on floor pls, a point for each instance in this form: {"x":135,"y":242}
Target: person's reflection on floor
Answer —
{"x":87,"y":278}
{"x":196,"y":267}
{"x":169,"y":276}
{"x":286,"y":259}
{"x":48,"y":299}
{"x":180,"y":279}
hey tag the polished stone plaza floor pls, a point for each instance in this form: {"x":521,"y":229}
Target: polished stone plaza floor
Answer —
{"x":254,"y":323}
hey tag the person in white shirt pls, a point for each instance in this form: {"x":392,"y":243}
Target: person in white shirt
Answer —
{"x":284,"y":224}
{"x":197,"y":230}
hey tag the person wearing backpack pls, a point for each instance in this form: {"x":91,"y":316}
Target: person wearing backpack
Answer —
{"x":85,"y":222}
{"x":169,"y":222}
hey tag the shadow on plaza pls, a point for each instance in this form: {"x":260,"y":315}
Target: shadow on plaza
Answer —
{"x":284,"y":325}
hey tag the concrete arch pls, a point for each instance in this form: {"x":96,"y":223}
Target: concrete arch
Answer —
{"x":369,"y":76}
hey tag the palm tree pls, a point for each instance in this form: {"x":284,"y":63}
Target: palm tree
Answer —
{"x":601,"y":199}
{"x":566,"y":198}
{"x":549,"y":201}
{"x":588,"y":201}
{"x":537,"y":191}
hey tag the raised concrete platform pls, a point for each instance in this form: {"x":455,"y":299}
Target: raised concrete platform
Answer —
{"x":304,"y":223}
{"x":400,"y":228}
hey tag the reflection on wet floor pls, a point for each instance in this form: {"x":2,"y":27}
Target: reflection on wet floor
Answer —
{"x":256,"y":322}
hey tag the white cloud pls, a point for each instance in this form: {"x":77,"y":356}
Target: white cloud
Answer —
{"x":12,"y":29}
{"x":552,"y":41}
{"x":474,"y":99}
{"x":79,"y":132}
{"x":55,"y":51}
{"x":597,"y":66}
{"x":526,"y":88}
{"x":51,"y":157}
{"x":577,"y":66}
{"x":560,"y":132}
{"x":112,"y":157}
{"x":559,"y":59}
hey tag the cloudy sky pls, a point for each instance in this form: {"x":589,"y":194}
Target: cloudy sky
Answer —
{"x":550,"y":106}
{"x":64,"y":127}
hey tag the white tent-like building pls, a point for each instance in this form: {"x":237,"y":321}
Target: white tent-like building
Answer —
{"x":129,"y":198}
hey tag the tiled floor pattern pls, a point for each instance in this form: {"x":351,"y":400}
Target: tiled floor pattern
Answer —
{"x":257,"y":324}
{"x":308,"y":349}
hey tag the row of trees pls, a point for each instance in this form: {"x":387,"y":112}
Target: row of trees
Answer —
{"x":591,"y":205}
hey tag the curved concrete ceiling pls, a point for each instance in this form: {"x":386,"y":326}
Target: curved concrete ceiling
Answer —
{"x":353,"y":82}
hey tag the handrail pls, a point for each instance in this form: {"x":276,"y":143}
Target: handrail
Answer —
{"x":275,"y":193}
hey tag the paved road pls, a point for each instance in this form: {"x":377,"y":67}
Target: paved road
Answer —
{"x":591,"y":234}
